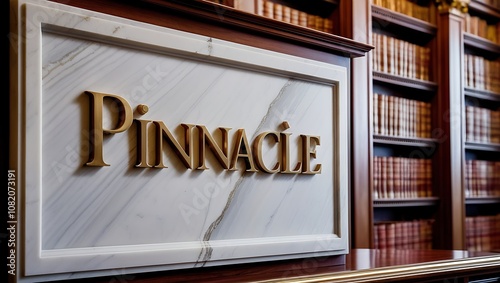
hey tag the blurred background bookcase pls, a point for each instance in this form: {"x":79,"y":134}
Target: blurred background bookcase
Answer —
{"x":434,"y":128}
{"x":481,"y":138}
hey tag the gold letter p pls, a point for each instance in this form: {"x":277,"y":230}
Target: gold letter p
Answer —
{"x":96,"y":128}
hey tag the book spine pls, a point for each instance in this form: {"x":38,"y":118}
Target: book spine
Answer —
{"x":278,"y":12}
{"x":477,"y":124}
{"x":414,"y":121}
{"x":396,"y":115}
{"x":397,"y":177}
{"x":376,"y":177}
{"x":469,"y":125}
{"x":268,"y":9}
{"x":390,"y":115}
{"x":470,"y":70}
{"x":495,"y":127}
{"x":468,"y":233}
{"x":391,"y":53}
{"x":420,"y":177}
{"x":466,"y":71}
{"x":406,"y":114}
{"x":294,"y":16}
{"x":374,"y":54}
{"x":329,"y":25}
{"x":385,"y":55}
{"x":382,"y":236}
{"x":287,"y":14}
{"x":399,"y":235}
{"x":311,"y":21}
{"x":484,"y":125}
{"x":406,"y":178}
{"x":302,"y":19}
{"x":391,"y":236}
{"x":427,"y":63}
{"x":375,"y":114}
{"x":428,"y":177}
{"x":428,"y":120}
{"x":490,"y":182}
{"x":383,"y":170}
{"x":483,"y":177}
{"x":413,"y":178}
{"x":383,"y":114}
{"x":380,"y":52}
{"x":390,"y":177}
{"x":468,"y":175}
{"x":413,"y":61}
{"x":259,"y":7}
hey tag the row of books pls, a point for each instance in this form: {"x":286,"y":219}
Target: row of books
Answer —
{"x":482,"y":178}
{"x":480,"y":27}
{"x":416,"y":235}
{"x":481,"y":73}
{"x":399,"y":177}
{"x":284,"y":13}
{"x":409,"y":8}
{"x":397,"y":116}
{"x":401,"y":58}
{"x":482,"y":233}
{"x":482,"y":125}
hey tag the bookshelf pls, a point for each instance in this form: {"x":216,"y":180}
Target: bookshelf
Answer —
{"x":403,"y":145}
{"x":455,"y":68}
{"x":481,"y":137}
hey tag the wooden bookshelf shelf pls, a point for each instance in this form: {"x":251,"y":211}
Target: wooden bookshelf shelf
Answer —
{"x":482,"y":146}
{"x":480,"y":43}
{"x":404,"y":82}
{"x":482,"y":94}
{"x":482,"y":7}
{"x":405,"y":141}
{"x":387,"y":17}
{"x":407,"y":202}
{"x":483,"y":200}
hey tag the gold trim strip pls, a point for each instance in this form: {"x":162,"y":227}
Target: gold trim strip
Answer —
{"x":401,"y":272}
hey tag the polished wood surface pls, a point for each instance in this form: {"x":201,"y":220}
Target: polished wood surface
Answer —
{"x":361,"y":265}
{"x":448,"y":159}
{"x":361,"y":119}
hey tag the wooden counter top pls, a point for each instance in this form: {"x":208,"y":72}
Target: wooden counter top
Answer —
{"x":361,"y":265}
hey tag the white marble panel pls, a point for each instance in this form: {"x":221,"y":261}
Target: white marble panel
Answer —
{"x":86,"y":219}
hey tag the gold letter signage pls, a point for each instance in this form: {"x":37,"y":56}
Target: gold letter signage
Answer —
{"x":250,"y":153}
{"x":96,"y":128}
